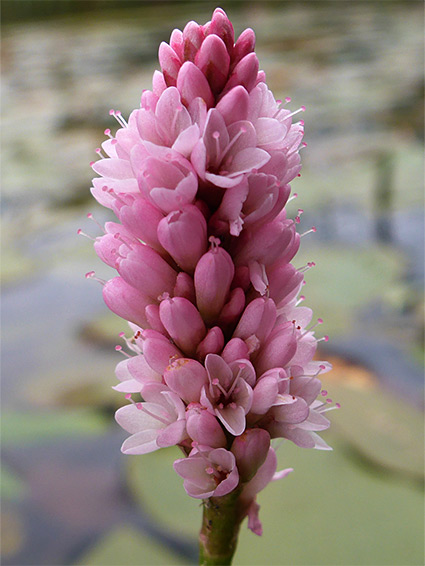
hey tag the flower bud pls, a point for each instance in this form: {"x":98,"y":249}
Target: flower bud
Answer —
{"x":183,"y":233}
{"x":203,"y":427}
{"x":212,"y":343}
{"x":214,"y":61}
{"x":141,"y":218}
{"x":126,"y":301}
{"x":183,"y":323}
{"x":185,"y":287}
{"x":143,"y":268}
{"x":280,"y":346}
{"x":250,"y":450}
{"x":158,"y":350}
{"x":192,"y":83}
{"x":213,"y":277}
{"x":235,"y":349}
{"x":186,"y":377}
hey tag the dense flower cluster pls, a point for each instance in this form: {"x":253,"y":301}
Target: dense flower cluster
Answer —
{"x":199,"y":178}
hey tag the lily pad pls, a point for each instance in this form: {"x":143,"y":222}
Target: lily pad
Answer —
{"x":159,"y":490}
{"x":125,"y":546}
{"x":331,"y":510}
{"x":12,"y":487}
{"x":382,"y":427}
{"x":24,"y":428}
{"x":341,"y":283}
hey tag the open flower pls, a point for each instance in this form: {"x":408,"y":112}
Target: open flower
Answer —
{"x":208,"y":473}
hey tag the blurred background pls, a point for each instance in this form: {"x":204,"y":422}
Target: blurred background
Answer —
{"x":68,"y":495}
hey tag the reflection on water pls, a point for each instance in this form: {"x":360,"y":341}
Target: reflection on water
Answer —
{"x":358,"y":69}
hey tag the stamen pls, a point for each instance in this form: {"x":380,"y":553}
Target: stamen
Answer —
{"x":233,"y":141}
{"x":119,"y":349}
{"x":324,"y":339}
{"x":302,"y":109}
{"x":91,"y":217}
{"x":294,"y":196}
{"x":107,"y":132}
{"x":81,"y":233}
{"x":91,"y":275}
{"x":319,"y":321}
{"x":98,"y":150}
{"x":156,"y":417}
{"x":306,"y":267}
{"x":118,"y":117}
{"x":215,"y":242}
{"x":312,"y":229}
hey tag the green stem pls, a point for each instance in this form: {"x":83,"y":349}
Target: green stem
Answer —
{"x":220,"y":528}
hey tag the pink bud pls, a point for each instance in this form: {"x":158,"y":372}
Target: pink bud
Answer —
{"x":203,"y":427}
{"x":221,"y":25}
{"x":185,"y":287}
{"x":258,"y":318}
{"x":192,"y":83}
{"x":214,"y":61}
{"x":213,"y":277}
{"x":250,"y":450}
{"x":193,"y":35}
{"x":152,"y":314}
{"x":176,"y":43}
{"x":235,"y":349}
{"x":245,"y":73}
{"x":183,"y":323}
{"x":183,"y":233}
{"x":266,"y":243}
{"x":212,"y":343}
{"x":278,"y":349}
{"x":233,"y":308}
{"x":284,"y":281}
{"x":106,"y":248}
{"x":126,"y":301}
{"x":170,"y":63}
{"x":141,"y":218}
{"x":244,"y":45}
{"x":143,"y":268}
{"x":186,"y":377}
{"x":234,"y":105}
{"x":265,"y":394}
{"x":158,"y":350}
{"x":158,"y":83}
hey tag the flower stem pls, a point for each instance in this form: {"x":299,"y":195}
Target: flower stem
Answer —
{"x":220,"y":528}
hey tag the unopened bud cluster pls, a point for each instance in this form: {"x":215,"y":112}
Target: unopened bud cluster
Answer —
{"x":223,"y":355}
